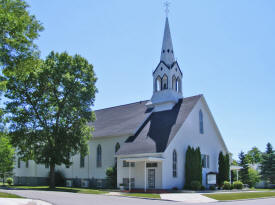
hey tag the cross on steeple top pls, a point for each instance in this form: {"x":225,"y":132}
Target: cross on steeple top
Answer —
{"x":166,"y":5}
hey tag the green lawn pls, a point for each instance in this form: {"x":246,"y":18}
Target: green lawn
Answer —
{"x":6,"y":195}
{"x":243,"y":195}
{"x":143,"y":195}
{"x":64,"y":189}
{"x":255,"y":189}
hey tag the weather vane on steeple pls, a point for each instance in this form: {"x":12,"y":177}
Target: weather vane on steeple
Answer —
{"x":166,"y":5}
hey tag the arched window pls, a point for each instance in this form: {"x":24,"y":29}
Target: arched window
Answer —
{"x":158,"y":84}
{"x":178,"y":85}
{"x":174,"y":163}
{"x":98,"y":156}
{"x":117,"y":147}
{"x":174,"y":83}
{"x":164,"y":82}
{"x":201,"y":121}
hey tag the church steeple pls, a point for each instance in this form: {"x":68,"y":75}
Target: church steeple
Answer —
{"x":167,"y":51}
{"x":167,"y":76}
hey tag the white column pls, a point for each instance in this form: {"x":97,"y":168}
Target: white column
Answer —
{"x":129,"y":176}
{"x":237,"y":175}
{"x":230,"y":176}
{"x":145,"y":181}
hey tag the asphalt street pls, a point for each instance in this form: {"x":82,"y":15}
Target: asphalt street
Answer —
{"x":66,"y":198}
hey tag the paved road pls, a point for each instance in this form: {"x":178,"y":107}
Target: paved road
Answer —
{"x":65,"y":198}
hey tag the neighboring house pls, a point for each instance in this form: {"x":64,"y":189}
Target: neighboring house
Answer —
{"x":147,"y":139}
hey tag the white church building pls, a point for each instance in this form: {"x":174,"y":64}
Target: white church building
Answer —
{"x":147,"y":139}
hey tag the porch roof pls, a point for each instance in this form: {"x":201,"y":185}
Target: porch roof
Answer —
{"x":143,"y":159}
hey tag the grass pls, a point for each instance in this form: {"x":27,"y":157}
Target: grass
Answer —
{"x":6,"y":195}
{"x":63,"y":189}
{"x":143,"y":195}
{"x":237,"y":196}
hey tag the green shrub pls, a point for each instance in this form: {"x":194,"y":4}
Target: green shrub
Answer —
{"x":212,"y":187}
{"x":231,"y":186}
{"x":226,"y":185}
{"x":195,"y":185}
{"x":238,"y":185}
{"x":9,"y":180}
{"x":203,"y":188}
{"x":111,"y":174}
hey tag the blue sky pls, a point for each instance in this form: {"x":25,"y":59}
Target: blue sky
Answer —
{"x":225,"y":50}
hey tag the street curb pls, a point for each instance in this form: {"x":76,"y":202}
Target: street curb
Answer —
{"x":272,"y":197}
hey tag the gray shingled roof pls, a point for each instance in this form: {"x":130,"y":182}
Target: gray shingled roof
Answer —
{"x":120,"y":120}
{"x":159,"y":129}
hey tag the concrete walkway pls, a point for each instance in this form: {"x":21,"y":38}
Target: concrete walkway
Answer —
{"x":11,"y":201}
{"x":187,"y":197}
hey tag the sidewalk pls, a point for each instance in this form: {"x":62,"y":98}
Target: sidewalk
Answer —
{"x":186,"y":197}
{"x":12,"y":201}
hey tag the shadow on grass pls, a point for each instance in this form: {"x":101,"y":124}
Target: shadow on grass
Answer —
{"x":59,"y":189}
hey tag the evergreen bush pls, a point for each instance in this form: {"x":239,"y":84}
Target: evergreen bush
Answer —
{"x":196,"y":185}
{"x":212,"y":187}
{"x":193,"y":167}
{"x":224,"y":168}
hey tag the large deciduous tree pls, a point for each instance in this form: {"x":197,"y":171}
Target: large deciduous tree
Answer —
{"x":18,"y":30}
{"x":254,"y":156}
{"x":6,"y":157}
{"x":50,"y":109}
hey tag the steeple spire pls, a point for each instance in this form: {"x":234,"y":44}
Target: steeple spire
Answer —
{"x":167,"y":52}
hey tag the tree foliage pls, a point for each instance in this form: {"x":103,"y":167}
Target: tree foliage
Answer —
{"x":254,"y":156}
{"x":243,"y":162}
{"x":18,"y":30}
{"x":50,"y":109}
{"x":193,"y":166}
{"x":268,"y":165}
{"x":253,"y":176}
{"x":6,"y":157}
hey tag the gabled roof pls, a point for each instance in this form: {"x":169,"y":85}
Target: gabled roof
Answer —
{"x":121,"y":120}
{"x":159,"y":129}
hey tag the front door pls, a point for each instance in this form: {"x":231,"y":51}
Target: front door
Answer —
{"x":151,"y":178}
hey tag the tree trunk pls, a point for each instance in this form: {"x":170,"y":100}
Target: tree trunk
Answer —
{"x":52,"y":177}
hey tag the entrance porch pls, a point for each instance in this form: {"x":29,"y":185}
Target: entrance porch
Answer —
{"x":140,"y":173}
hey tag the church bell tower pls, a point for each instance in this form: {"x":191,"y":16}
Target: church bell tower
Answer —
{"x":167,"y":76}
